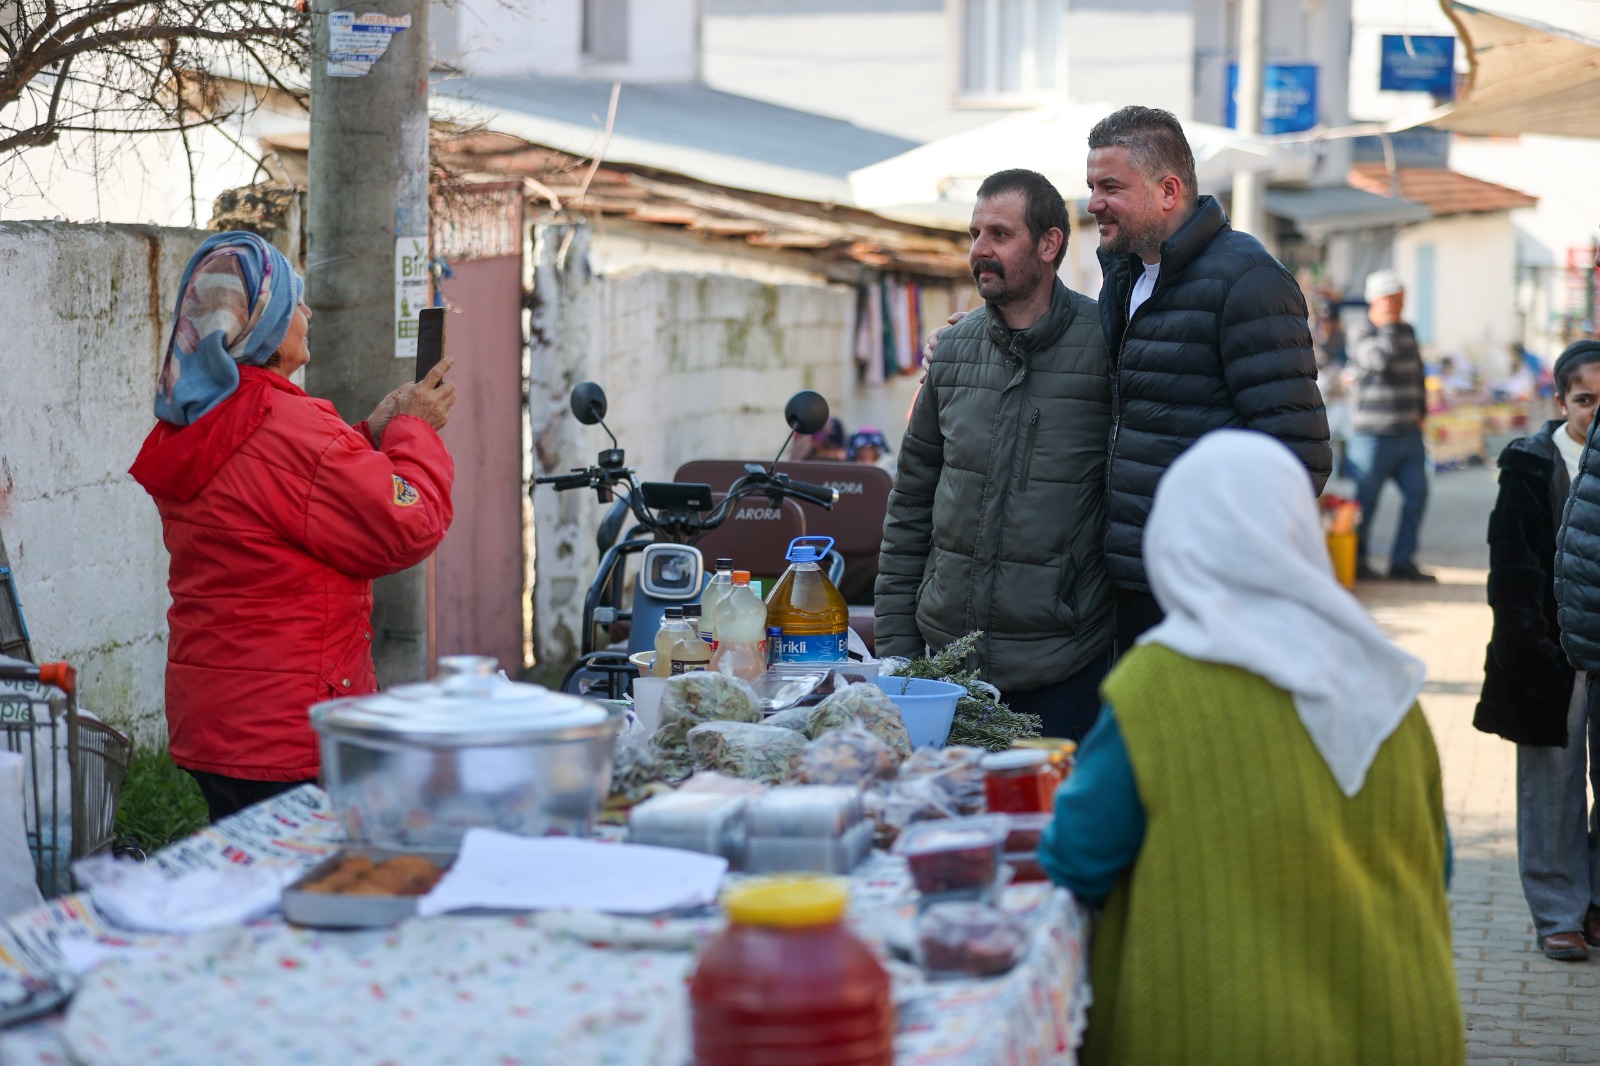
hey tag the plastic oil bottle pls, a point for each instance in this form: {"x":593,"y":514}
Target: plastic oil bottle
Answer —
{"x":805,"y":605}
{"x":666,"y":637}
{"x":716,"y":591}
{"x":741,"y":623}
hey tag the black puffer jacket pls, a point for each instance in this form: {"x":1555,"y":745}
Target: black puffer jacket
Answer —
{"x":1224,"y":341}
{"x":1527,"y":683}
{"x":1578,"y":564}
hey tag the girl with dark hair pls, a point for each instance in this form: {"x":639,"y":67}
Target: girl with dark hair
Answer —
{"x":1531,"y":694}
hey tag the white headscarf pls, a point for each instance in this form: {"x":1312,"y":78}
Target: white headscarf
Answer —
{"x":1237,"y":558}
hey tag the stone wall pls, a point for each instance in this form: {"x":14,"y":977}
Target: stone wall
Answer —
{"x":87,"y":313}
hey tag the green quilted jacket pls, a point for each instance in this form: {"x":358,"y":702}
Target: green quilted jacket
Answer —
{"x":997,"y":518}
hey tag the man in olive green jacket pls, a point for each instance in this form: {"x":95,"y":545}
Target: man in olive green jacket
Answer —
{"x":997,"y":518}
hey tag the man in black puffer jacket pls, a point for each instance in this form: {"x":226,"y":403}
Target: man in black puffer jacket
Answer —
{"x":1204,"y":330}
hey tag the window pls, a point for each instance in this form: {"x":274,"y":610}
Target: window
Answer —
{"x":605,"y":31}
{"x":1009,"y":48}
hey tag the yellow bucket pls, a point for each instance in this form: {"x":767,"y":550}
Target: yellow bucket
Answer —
{"x":1342,"y":550}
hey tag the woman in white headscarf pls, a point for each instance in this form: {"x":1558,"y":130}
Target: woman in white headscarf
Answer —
{"x":1259,"y":808}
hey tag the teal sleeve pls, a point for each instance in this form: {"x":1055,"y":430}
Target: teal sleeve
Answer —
{"x":1099,"y":821}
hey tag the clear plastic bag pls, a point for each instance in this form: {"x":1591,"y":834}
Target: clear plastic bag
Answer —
{"x":795,"y":718}
{"x":866,"y":706}
{"x":761,"y":753}
{"x":893,"y":805}
{"x":849,"y":756}
{"x":691,"y":700}
{"x":957,"y":771}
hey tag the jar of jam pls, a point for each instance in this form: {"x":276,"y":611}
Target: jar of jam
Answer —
{"x":1020,"y":781}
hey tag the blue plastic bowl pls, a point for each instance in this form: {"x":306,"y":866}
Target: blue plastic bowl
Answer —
{"x":927,"y":707}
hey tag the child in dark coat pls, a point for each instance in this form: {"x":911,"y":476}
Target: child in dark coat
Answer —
{"x":1531,"y":694}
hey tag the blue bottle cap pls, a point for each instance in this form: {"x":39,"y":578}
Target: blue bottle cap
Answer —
{"x":809,"y":549}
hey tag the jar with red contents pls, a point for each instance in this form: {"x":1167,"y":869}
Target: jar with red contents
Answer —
{"x":787,"y":984}
{"x":1020,"y":781}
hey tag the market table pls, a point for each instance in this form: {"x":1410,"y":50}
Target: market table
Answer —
{"x":569,"y":988}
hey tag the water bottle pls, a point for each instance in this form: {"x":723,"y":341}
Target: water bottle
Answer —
{"x":811,"y":613}
{"x":717,"y":590}
{"x":689,"y":652}
{"x":741,"y":622}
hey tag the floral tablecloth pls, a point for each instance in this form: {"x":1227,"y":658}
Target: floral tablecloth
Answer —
{"x":569,"y":989}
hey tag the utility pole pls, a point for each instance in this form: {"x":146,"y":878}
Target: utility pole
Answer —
{"x":367,"y":246}
{"x":1249,"y":188}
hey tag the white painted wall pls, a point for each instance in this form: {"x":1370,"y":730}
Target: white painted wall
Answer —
{"x":1567,"y":216}
{"x":1475,"y":314}
{"x":546,"y":37}
{"x":88,"y":309}
{"x":144,"y":179}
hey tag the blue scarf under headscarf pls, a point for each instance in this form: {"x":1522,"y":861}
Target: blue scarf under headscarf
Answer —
{"x":235,"y":303}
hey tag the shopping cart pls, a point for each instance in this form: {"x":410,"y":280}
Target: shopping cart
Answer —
{"x":70,"y":803}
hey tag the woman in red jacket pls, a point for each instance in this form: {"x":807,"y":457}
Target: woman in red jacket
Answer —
{"x":277,"y":516}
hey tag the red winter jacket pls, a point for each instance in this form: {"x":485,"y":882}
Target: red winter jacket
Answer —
{"x":278,"y":516}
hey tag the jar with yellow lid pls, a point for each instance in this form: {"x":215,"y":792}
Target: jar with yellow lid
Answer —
{"x":786,"y":981}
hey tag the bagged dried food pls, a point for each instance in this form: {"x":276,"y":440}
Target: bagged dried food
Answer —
{"x":753,"y":752}
{"x":711,"y":783}
{"x":958,"y":771}
{"x":865,"y":705}
{"x":633,"y":770}
{"x":795,"y":718}
{"x":893,"y":805}
{"x":849,"y":756}
{"x":694,"y":699}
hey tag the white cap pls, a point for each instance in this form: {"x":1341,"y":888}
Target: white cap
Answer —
{"x":1381,"y":283}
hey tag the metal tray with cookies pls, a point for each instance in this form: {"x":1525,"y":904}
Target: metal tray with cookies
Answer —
{"x":364,"y":888}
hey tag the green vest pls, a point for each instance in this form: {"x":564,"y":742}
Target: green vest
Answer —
{"x":1269,"y":920}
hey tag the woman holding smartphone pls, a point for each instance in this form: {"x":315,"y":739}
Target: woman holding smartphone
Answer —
{"x":277,"y":516}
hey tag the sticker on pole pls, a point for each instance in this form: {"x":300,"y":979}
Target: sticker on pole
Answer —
{"x":410,"y":292}
{"x":356,"y":41}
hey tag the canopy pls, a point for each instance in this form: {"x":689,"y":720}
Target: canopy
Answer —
{"x":1535,"y":71}
{"x":1053,"y":140}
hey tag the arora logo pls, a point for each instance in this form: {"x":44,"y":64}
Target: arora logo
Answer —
{"x":757,"y":514}
{"x":847,"y":488}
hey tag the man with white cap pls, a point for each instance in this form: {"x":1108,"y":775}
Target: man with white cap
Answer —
{"x":1389,"y":408}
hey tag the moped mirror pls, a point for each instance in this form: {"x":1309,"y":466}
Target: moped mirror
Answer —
{"x":806,"y":412}
{"x":589,"y":402}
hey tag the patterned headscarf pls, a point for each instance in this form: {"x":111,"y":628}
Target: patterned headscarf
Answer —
{"x":235,"y":303}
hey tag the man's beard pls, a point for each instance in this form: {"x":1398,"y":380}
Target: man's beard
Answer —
{"x":1002,"y":290}
{"x":1132,"y":240}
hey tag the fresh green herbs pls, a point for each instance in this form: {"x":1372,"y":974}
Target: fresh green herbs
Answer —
{"x":981,"y":721}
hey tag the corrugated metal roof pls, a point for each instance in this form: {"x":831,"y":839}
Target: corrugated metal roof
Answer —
{"x":1442,"y":190}
{"x":690,"y":129}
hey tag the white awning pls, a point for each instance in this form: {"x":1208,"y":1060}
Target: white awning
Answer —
{"x":1053,"y":141}
{"x":1536,"y":70}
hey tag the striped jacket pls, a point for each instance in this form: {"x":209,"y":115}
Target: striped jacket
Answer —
{"x":1390,"y":396}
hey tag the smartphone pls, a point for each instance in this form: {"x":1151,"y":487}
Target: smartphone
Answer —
{"x":430,"y":340}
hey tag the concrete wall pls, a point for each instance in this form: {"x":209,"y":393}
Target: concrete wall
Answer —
{"x":546,"y":37}
{"x":87,"y":313}
{"x":696,"y":366}
{"x":1474,"y":285}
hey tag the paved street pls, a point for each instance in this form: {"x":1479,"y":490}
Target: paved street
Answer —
{"x":1520,"y":1007}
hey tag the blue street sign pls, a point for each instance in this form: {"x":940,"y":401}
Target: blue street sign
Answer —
{"x":1288,"y":97}
{"x":1419,"y":65}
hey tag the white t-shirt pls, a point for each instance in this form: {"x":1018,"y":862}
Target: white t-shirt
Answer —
{"x":1143,"y":286}
{"x":1570,"y":450}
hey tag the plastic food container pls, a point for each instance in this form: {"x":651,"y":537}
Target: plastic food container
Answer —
{"x":707,"y":822}
{"x":954,"y":856}
{"x":1025,"y":866}
{"x":351,"y":910}
{"x":1024,"y":831}
{"x":965,"y":940}
{"x":1020,"y":781}
{"x":829,"y":855}
{"x":416,"y":766}
{"x":805,"y":811}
